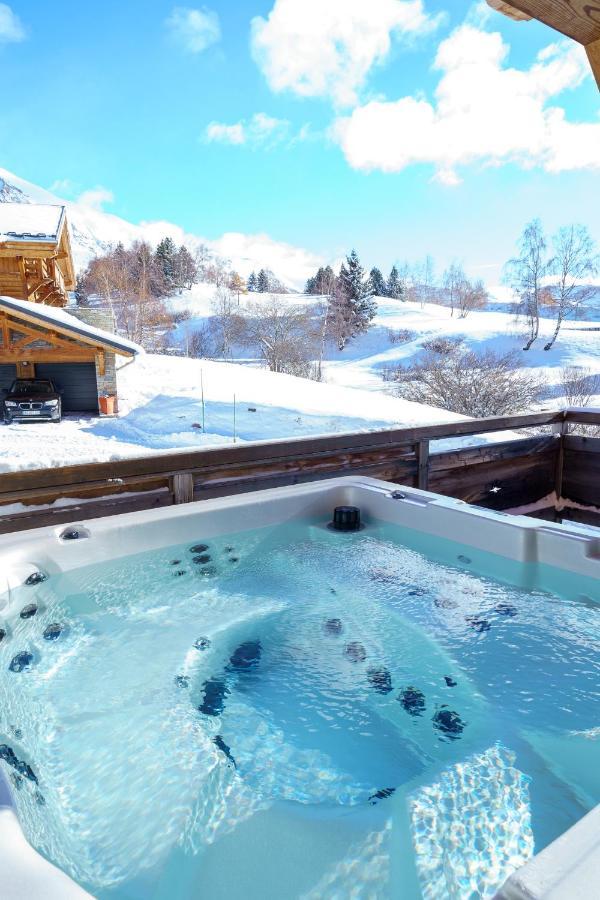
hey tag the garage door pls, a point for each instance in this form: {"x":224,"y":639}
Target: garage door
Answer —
{"x":77,"y":382}
{"x":8,"y":373}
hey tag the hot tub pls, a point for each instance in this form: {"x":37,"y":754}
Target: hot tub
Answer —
{"x":235,"y":699}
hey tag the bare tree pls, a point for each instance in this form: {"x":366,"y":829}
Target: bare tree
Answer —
{"x":486,"y":384}
{"x":470,"y":295}
{"x":285,"y":336}
{"x":579,"y":385}
{"x":200,"y":343}
{"x":202,"y":257}
{"x":237,"y":285}
{"x":226,"y":324}
{"x":451,"y":280}
{"x":424,"y":287}
{"x":526,"y":273}
{"x":574,"y":261}
{"x":131,"y":284}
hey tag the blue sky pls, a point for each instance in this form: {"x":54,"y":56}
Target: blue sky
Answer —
{"x":158,"y":104}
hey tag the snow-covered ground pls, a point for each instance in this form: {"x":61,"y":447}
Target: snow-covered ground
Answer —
{"x":161,"y":409}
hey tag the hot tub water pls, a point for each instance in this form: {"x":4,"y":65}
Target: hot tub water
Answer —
{"x":293,"y":712}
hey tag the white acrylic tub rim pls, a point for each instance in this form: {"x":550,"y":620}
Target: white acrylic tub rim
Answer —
{"x":571,"y":548}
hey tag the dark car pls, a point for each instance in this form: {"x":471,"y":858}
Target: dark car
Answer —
{"x":32,"y":399}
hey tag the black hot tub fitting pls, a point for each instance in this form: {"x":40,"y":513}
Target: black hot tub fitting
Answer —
{"x":346,"y":518}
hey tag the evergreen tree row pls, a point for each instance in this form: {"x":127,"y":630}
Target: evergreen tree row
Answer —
{"x":324,"y":281}
{"x":177,"y":265}
{"x":265,"y":283}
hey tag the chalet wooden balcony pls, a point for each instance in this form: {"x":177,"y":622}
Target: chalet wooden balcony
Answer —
{"x":546,"y":470}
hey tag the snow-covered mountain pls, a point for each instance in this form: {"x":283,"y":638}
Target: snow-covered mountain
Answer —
{"x":93,"y":230}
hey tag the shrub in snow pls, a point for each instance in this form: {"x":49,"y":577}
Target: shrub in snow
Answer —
{"x":485,"y":384}
{"x":442,"y":345}
{"x":579,"y":387}
{"x":400,"y":335}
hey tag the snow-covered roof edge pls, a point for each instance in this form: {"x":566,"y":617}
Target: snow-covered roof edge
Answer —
{"x":59,"y":318}
{"x":31,"y":222}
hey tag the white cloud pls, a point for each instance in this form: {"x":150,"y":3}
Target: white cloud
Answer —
{"x":320,"y":48}
{"x":484,"y":112}
{"x":11,"y":28}
{"x":194,"y":29}
{"x":245,"y":252}
{"x":260,"y":130}
{"x":62,"y":186}
{"x":96,"y":198}
{"x":249,"y":252}
{"x":226,"y":134}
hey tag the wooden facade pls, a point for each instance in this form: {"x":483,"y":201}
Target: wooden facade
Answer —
{"x":37,"y":341}
{"x":577,"y":19}
{"x":554,"y":470}
{"x":25,"y":341}
{"x":35,"y":265}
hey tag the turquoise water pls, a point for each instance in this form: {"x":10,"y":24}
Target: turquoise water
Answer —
{"x":295,"y":713}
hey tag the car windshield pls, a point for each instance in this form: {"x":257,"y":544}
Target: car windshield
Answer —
{"x":31,"y":386}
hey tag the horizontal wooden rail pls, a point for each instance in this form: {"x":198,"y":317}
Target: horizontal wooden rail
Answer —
{"x":499,"y":475}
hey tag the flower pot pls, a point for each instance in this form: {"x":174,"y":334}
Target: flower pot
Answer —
{"x":107,"y":405}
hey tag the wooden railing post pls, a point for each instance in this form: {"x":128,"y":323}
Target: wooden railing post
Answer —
{"x":560,"y":429}
{"x":422,"y":448}
{"x":182,"y":487}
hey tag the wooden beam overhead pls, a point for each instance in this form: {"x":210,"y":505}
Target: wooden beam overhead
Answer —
{"x":49,"y":355}
{"x":39,"y":251}
{"x":508,"y":10}
{"x":593,"y":53}
{"x":577,"y":19}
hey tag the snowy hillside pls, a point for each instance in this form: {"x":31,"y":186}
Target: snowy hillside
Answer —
{"x":93,"y":230}
{"x":363,"y":361}
{"x":161,"y":409}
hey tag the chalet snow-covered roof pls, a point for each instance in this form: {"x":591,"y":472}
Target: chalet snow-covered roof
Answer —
{"x":58,"y":319}
{"x":30,"y":222}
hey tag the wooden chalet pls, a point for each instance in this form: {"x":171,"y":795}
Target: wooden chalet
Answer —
{"x":577,"y":19}
{"x":36,"y":263}
{"x":38,"y":338}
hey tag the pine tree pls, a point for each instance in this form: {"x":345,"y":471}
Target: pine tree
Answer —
{"x":322,"y":282}
{"x":262,"y":282}
{"x":377,"y":284}
{"x":185,"y":269}
{"x":311,"y":284}
{"x":252,"y":282}
{"x":352,"y":277}
{"x":165,"y":255}
{"x":352,"y":306}
{"x":394,"y":285}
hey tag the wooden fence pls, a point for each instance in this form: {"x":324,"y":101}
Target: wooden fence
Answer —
{"x":500,"y":475}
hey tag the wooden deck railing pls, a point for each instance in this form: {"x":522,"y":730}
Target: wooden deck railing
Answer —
{"x":501,"y":475}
